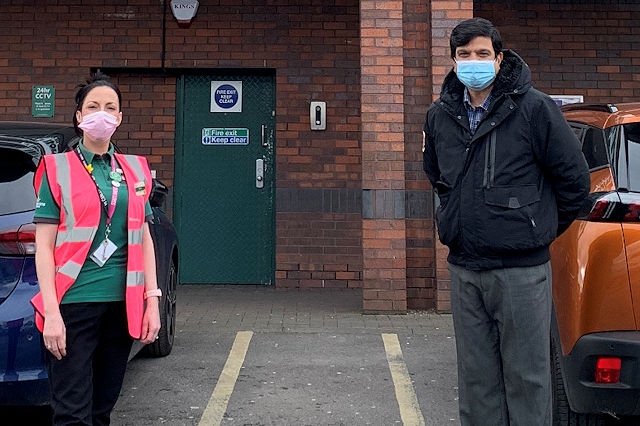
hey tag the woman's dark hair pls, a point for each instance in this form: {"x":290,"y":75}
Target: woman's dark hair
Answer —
{"x":467,"y":30}
{"x":95,"y":80}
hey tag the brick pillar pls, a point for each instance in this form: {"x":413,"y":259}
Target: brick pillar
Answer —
{"x":421,"y":277}
{"x":445,"y":15}
{"x":384,"y":276}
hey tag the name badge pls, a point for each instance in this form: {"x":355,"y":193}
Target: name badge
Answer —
{"x":103,"y":252}
{"x":140,"y":188}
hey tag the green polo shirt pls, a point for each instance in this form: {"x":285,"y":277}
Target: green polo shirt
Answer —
{"x":95,"y":283}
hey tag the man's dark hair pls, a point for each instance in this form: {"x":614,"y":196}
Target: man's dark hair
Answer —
{"x":467,"y":30}
{"x":95,"y":80}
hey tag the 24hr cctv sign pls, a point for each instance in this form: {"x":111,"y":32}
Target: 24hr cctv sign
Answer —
{"x":226,"y":96}
{"x":43,"y":101}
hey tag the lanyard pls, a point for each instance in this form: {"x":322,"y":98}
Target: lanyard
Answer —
{"x":109,"y":208}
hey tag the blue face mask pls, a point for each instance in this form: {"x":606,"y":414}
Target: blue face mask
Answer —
{"x":476,"y":75}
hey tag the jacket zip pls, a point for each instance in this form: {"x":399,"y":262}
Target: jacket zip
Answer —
{"x":490,"y":162}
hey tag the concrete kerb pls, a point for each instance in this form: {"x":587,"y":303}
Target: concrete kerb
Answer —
{"x":265,"y":308}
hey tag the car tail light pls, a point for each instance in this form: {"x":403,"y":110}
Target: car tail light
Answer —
{"x":612,"y":207}
{"x":608,"y":370}
{"x":20,"y":240}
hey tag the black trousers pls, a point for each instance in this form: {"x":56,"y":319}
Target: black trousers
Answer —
{"x":86,"y":383}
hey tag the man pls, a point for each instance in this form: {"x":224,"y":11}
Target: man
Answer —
{"x":510,"y":177}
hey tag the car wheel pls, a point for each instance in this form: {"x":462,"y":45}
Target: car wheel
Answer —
{"x":164,"y":344}
{"x":562,"y":413}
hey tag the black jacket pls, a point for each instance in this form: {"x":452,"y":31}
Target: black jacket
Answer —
{"x":509,"y":189}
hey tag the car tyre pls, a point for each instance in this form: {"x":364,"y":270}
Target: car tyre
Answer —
{"x":164,"y":344}
{"x":562,"y":413}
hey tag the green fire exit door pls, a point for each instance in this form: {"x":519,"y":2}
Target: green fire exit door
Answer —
{"x":225,"y":178}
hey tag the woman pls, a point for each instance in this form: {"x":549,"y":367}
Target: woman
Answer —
{"x":95,"y":261}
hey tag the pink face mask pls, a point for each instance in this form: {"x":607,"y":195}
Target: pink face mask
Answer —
{"x":99,"y":126}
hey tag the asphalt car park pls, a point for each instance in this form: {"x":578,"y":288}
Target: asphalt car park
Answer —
{"x":310,"y":358}
{"x":300,"y":366}
{"x":251,"y":355}
{"x":300,"y":358}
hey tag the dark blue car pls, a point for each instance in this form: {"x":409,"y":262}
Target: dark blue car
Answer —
{"x":23,"y":379}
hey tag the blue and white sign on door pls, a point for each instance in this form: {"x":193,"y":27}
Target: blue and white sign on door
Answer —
{"x":226,"y":96}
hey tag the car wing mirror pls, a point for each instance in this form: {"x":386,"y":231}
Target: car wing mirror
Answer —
{"x":159,"y":192}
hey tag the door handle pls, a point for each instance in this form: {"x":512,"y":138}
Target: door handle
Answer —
{"x":259,"y":173}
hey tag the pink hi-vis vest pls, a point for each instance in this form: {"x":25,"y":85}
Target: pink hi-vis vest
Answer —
{"x":71,"y":187}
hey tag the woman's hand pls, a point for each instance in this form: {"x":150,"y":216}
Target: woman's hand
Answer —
{"x":54,"y":335}
{"x":54,"y":332}
{"x":151,"y":321}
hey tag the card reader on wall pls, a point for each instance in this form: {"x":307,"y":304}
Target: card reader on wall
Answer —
{"x":318,"y":115}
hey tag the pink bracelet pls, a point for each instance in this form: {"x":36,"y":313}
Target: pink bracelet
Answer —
{"x":156,"y":292}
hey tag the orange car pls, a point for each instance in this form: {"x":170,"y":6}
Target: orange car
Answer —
{"x":595,"y":338}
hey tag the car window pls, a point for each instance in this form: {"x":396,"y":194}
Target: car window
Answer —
{"x":594,"y":149}
{"x":16,"y":181}
{"x":578,"y":130}
{"x":632,"y":135}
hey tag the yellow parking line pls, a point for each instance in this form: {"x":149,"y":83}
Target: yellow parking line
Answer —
{"x":215,"y":409}
{"x":407,"y":401}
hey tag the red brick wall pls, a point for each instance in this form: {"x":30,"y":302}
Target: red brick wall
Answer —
{"x":421,"y":282}
{"x":148,"y":120}
{"x":58,"y":43}
{"x":587,"y":48}
{"x":314,"y":48}
{"x":319,"y":251}
{"x":373,"y":119}
{"x":383,"y":178}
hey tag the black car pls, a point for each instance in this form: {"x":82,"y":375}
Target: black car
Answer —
{"x":23,"y":378}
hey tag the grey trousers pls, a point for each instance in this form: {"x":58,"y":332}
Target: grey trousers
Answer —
{"x":502,"y":321}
